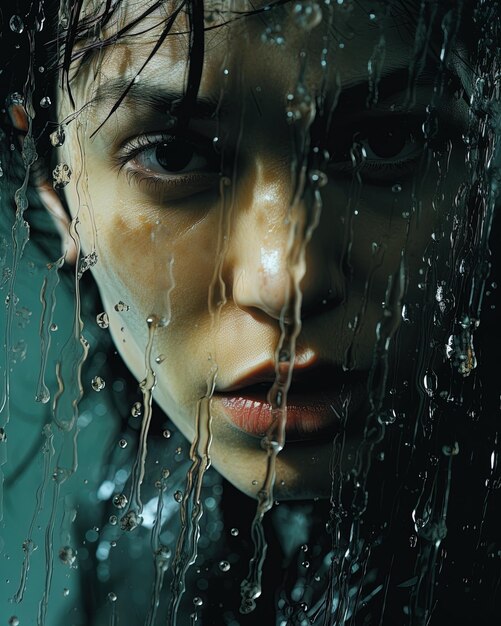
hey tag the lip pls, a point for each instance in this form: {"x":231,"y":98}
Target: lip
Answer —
{"x":319,"y":398}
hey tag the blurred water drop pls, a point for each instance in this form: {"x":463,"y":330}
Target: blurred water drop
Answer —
{"x":396,"y":188}
{"x":234,"y":532}
{"x":14,"y":621}
{"x":160,"y":358}
{"x":45,"y":102}
{"x":122,"y":443}
{"x":166,"y":433}
{"x":3,"y":435}
{"x":318,"y":179}
{"x":102,"y":320}
{"x":61,"y":175}
{"x":178,"y":496}
{"x":112,"y":597}
{"x":66,"y":592}
{"x":224,"y":566}
{"x":16,"y":24}
{"x":451,"y":450}
{"x":197,"y":601}
{"x":98,"y":383}
{"x":113,"y":520}
{"x":273,"y":35}
{"x":308,"y":15}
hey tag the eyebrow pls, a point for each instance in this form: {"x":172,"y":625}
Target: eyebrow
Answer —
{"x":151,"y":97}
{"x":393,"y":82}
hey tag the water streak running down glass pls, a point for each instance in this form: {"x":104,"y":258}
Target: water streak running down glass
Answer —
{"x":248,"y":262}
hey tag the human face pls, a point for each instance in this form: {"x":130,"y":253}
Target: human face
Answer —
{"x":196,"y":229}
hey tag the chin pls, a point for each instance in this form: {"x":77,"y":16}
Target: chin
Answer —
{"x":302,"y":467}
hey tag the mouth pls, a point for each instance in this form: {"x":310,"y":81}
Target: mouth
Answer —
{"x":319,"y":400}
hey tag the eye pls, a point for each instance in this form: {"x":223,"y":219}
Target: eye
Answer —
{"x":172,"y":156}
{"x":170,"y":167}
{"x":390,"y":144}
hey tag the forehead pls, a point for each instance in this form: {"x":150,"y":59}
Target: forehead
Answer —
{"x":265,"y":42}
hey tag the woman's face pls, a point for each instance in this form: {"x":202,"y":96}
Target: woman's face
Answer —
{"x":196,"y":226}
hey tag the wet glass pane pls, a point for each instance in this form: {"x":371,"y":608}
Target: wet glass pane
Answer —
{"x":248,"y":270}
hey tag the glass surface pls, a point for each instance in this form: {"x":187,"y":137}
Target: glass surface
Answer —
{"x":248,"y":266}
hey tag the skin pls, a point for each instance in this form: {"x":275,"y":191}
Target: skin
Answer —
{"x":157,"y":246}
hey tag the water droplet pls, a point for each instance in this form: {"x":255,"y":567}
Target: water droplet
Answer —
{"x":130,"y":521}
{"x":160,"y":358}
{"x":178,"y":496}
{"x":179,"y":450}
{"x":14,"y":621}
{"x":318,"y":179}
{"x":197,"y":601}
{"x":305,"y":564}
{"x":102,"y":320}
{"x":17,"y":26}
{"x":387,"y":417}
{"x":224,"y":566}
{"x":45,"y":102}
{"x":120,"y":501}
{"x":112,"y":597}
{"x":122,"y":443}
{"x":53,"y":327}
{"x":57,"y":137}
{"x":273,"y":35}
{"x":304,"y":548}
{"x":121,"y":307}
{"x":66,"y":592}
{"x":113,"y":520}
{"x":3,"y":435}
{"x":98,"y":383}
{"x":234,"y":532}
{"x":166,"y":433}
{"x":413,"y":541}
{"x":61,"y":176}
{"x":136,"y":410}
{"x":396,"y":188}
{"x":451,"y":450}
{"x":307,"y":14}
{"x":67,"y":555}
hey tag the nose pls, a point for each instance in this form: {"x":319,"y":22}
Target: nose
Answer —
{"x":264,"y":262}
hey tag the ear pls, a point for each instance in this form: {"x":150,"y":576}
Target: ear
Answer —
{"x":46,"y":193}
